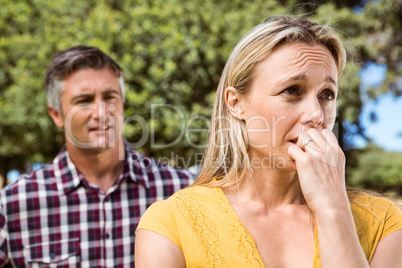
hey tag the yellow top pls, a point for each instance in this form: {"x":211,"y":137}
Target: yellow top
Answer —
{"x":202,"y":223}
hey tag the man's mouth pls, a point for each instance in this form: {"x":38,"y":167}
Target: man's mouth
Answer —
{"x":100,"y":128}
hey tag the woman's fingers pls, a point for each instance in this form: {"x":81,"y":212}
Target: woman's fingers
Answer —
{"x":322,"y":145}
{"x":314,"y":135}
{"x":329,"y":136}
{"x":295,"y":153}
{"x":320,"y":167}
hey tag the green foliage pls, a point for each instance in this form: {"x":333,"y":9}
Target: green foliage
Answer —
{"x":377,"y":169}
{"x":173,"y":53}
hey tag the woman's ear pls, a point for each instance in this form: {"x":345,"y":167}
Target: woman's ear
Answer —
{"x":234,"y":103}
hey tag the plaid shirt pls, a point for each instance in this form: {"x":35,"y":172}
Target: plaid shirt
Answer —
{"x":56,"y":218}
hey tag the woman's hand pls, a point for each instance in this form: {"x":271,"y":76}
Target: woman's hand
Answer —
{"x":321,"y":170}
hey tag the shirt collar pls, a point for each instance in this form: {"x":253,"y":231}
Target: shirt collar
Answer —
{"x":137,"y":170}
{"x":69,"y":177}
{"x":66,"y":173}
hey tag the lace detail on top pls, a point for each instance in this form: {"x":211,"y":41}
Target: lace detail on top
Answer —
{"x":193,"y":205}
{"x":203,"y":226}
{"x":246,"y":247}
{"x":212,"y":234}
{"x":316,"y":249}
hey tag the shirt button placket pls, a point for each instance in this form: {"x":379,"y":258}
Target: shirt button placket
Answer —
{"x":108,"y":231}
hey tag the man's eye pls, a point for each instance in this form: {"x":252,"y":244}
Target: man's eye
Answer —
{"x":82,"y":101}
{"x":110,"y":98}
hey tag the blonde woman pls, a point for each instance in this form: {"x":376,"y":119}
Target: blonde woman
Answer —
{"x":271,"y":192}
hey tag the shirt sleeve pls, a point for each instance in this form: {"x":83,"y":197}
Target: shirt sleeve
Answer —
{"x":3,"y":238}
{"x":160,"y":218}
{"x":393,"y":220}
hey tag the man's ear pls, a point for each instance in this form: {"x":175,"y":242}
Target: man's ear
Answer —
{"x":58,"y":119}
{"x":234,"y":103}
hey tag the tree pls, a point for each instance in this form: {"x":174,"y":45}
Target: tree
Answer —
{"x":378,"y":170}
{"x":173,"y":53}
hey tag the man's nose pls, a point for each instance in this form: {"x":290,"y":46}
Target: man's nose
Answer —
{"x":101,"y":112}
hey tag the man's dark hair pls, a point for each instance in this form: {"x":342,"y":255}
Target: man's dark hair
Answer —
{"x":71,"y":60}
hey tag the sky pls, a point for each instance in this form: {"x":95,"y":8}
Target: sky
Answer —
{"x":386,"y":131}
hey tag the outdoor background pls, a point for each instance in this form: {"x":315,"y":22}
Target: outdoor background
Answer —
{"x":173,"y":52}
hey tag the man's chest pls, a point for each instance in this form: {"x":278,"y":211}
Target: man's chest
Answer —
{"x":81,"y":229}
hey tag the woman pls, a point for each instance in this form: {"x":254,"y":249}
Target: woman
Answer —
{"x":271,"y":192}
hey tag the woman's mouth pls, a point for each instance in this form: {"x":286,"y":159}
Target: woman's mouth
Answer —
{"x":294,"y":141}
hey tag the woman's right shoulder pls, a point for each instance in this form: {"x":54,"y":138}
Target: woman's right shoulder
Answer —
{"x":166,"y":216}
{"x":186,"y":195}
{"x":182,"y":199}
{"x":195,"y":193}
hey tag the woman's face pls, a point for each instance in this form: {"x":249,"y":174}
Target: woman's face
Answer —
{"x":292,"y":89}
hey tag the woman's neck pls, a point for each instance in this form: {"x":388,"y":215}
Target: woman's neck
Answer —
{"x":275,"y":188}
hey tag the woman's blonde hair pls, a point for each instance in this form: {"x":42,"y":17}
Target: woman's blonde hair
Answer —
{"x":226,"y":159}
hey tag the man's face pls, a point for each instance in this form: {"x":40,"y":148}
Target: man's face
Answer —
{"x":91,"y":108}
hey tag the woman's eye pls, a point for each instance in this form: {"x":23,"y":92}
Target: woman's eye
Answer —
{"x":328,"y":95}
{"x":292,"y":91}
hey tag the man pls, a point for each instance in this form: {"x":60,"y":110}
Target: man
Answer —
{"x":83,"y":208}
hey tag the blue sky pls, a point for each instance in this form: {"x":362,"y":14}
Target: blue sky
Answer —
{"x":386,"y":131}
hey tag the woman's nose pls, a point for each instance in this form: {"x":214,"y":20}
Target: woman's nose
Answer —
{"x":314,"y":114}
